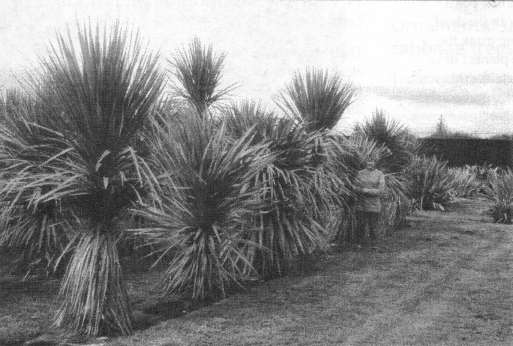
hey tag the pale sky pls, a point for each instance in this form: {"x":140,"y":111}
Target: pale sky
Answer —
{"x":414,"y":60}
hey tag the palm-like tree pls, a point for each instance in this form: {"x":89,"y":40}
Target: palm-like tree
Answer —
{"x":289,"y":225}
{"x":197,"y":72}
{"x":317,"y":98}
{"x":202,"y":202}
{"x":392,"y":135}
{"x":34,"y":232}
{"x":99,"y":88}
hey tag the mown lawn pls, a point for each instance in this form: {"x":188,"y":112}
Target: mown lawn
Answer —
{"x":25,"y":309}
{"x":445,"y":279}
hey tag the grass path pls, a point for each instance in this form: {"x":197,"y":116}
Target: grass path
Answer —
{"x":446,"y":279}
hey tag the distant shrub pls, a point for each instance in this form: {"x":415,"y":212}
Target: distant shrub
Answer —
{"x":500,"y":191}
{"x":430,"y":184}
{"x":466,"y":181}
{"x":461,"y":134}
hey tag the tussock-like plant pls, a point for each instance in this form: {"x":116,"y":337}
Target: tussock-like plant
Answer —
{"x":466,"y":181}
{"x":204,"y":198}
{"x":431,"y":186}
{"x":317,"y":98}
{"x":197,"y":71}
{"x":289,"y":225}
{"x":34,"y":233}
{"x":365,"y":149}
{"x":100,"y":86}
{"x":242,"y":116}
{"x":392,"y":135}
{"x":500,"y":191}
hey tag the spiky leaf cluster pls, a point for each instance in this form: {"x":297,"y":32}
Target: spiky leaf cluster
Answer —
{"x":391,"y":134}
{"x":317,"y":98}
{"x":203,"y":200}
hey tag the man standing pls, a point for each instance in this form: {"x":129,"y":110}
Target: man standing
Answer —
{"x":371,"y":185}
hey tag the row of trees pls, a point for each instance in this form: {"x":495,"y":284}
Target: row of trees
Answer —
{"x":94,"y":153}
{"x":442,"y":130}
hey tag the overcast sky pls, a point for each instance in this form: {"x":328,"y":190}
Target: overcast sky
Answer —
{"x":414,"y":60}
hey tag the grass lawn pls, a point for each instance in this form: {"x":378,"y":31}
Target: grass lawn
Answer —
{"x":445,"y":279}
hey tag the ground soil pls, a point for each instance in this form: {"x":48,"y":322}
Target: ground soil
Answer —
{"x":446,"y":279}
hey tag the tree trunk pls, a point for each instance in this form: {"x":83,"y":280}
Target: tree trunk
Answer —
{"x":93,"y":295}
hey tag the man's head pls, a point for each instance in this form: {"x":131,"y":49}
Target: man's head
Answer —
{"x":370,"y":164}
